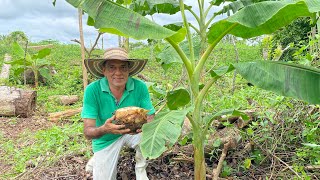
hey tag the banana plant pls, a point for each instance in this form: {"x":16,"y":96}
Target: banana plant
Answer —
{"x":248,"y":21}
{"x":36,"y":63}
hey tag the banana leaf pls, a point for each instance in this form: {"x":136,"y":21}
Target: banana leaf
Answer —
{"x":113,"y":18}
{"x":286,"y":79}
{"x":262,"y":18}
{"x":161,"y":133}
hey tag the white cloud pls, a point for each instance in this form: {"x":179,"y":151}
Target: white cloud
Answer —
{"x":40,"y":20}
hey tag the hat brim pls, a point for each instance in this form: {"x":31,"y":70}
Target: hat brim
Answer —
{"x":95,"y":66}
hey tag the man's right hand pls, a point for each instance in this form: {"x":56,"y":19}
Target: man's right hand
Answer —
{"x":111,"y":128}
{"x":93,"y":132}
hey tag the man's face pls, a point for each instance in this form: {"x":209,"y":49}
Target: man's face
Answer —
{"x":117,"y":73}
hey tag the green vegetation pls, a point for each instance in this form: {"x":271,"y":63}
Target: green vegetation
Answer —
{"x":52,"y":142}
{"x":180,"y":77}
{"x":275,"y":130}
{"x":247,"y":21}
{"x":296,"y":33}
{"x":45,"y":147}
{"x":36,"y":63}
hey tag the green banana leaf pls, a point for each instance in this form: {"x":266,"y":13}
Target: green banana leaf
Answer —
{"x":218,"y":2}
{"x":221,"y":71}
{"x":19,"y":62}
{"x":208,"y":119}
{"x":150,"y":7}
{"x":156,"y":91}
{"x":42,"y":53}
{"x":114,"y":18}
{"x":262,"y":18}
{"x":286,"y":79}
{"x":161,"y":133}
{"x":169,"y":56}
{"x":174,"y":26}
{"x":234,"y":7}
{"x":19,"y":51}
{"x":45,"y":72}
{"x":124,"y":2}
{"x":177,"y":98}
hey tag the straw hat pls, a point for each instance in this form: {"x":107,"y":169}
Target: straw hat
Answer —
{"x":95,"y":66}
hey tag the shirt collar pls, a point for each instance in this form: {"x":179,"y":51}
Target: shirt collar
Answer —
{"x":105,"y":85}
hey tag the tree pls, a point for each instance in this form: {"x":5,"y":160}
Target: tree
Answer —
{"x":286,"y":79}
{"x":296,"y":32}
{"x":84,"y":70}
{"x":17,"y":36}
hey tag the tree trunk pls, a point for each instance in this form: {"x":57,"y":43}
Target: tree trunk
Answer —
{"x":237,"y":60}
{"x":64,"y":99}
{"x":126,"y":44}
{"x":5,"y":67}
{"x":84,"y":70}
{"x":119,"y":41}
{"x":24,"y":65}
{"x":36,"y":78}
{"x":54,"y":117}
{"x":17,"y":102}
{"x":102,"y":41}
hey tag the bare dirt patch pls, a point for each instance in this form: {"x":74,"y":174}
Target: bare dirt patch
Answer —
{"x":12,"y":128}
{"x":72,"y":167}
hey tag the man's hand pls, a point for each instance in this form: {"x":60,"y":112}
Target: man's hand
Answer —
{"x":149,"y":119}
{"x":111,"y":128}
{"x":93,"y":132}
{"x":137,"y":132}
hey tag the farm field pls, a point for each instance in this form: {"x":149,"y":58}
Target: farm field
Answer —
{"x":37,"y":148}
{"x":234,"y":84}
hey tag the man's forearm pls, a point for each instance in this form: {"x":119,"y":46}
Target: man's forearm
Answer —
{"x":93,"y":132}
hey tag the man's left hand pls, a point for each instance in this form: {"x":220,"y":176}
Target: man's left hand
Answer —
{"x":137,"y":132}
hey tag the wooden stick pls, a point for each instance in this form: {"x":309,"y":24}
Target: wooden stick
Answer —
{"x":64,"y":99}
{"x":279,"y":160}
{"x":286,"y":165}
{"x":187,"y":159}
{"x":312,"y":167}
{"x":30,"y":171}
{"x":216,"y":172}
{"x":309,"y":167}
{"x":84,"y":70}
{"x":161,"y":108}
{"x":54,"y":117}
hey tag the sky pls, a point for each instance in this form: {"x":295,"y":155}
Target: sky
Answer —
{"x":40,"y":20}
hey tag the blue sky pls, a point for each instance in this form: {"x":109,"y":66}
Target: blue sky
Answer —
{"x":40,"y":20}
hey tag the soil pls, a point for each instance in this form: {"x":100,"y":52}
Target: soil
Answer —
{"x":72,"y":167}
{"x":172,"y":165}
{"x":13,"y":128}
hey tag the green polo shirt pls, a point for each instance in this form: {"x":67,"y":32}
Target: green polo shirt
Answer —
{"x":100,"y":104}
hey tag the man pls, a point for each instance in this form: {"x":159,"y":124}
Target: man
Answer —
{"x":115,"y":89}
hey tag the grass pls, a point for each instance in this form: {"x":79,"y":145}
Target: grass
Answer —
{"x":275,"y":129}
{"x":51,"y":144}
